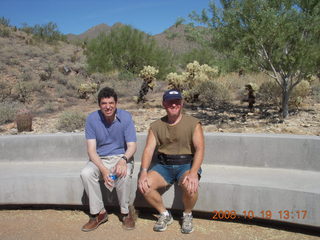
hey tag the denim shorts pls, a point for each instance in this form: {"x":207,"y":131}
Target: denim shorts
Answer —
{"x":173,"y":173}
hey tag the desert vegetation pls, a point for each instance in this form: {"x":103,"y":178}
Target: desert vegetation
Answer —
{"x":271,"y":46}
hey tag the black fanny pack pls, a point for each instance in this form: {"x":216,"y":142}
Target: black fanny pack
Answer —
{"x":175,"y":159}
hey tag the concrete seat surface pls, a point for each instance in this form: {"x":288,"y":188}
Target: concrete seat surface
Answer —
{"x":236,"y":177}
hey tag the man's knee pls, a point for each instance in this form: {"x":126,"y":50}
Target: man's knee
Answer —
{"x":154,"y":182}
{"x":87,"y":173}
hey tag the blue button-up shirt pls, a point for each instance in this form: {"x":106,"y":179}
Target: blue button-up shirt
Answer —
{"x":111,"y":139}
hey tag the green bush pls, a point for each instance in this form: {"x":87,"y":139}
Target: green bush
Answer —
{"x":269,"y":92}
{"x":23,"y":90}
{"x":302,"y":90}
{"x":5,"y":22}
{"x":126,"y":49}
{"x":300,"y":93}
{"x":7,"y":112}
{"x":316,"y":91}
{"x":71,"y":120}
{"x":47,"y":32}
{"x":201,"y":55}
{"x":5,"y":90}
{"x":4,"y":32}
{"x":4,"y":27}
{"x":212,"y":93}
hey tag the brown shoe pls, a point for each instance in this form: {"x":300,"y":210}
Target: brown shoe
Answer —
{"x":95,"y":222}
{"x":128,"y":222}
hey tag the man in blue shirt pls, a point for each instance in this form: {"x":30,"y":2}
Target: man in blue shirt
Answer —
{"x":111,"y":143}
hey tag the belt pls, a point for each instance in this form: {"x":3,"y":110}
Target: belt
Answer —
{"x":180,"y":159}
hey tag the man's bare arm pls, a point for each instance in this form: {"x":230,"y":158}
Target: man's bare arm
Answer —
{"x":94,"y":157}
{"x":121,"y":167}
{"x":192,"y":179}
{"x":146,"y":160}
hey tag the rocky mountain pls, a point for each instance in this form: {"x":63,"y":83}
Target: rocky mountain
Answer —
{"x":173,"y":38}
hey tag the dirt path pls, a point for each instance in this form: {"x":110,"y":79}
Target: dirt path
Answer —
{"x":66,"y":224}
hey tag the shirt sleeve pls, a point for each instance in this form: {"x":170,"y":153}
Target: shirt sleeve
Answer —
{"x":89,"y":129}
{"x":130,"y":130}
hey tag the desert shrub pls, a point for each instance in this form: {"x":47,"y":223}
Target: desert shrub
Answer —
{"x":300,"y":93}
{"x":4,"y":27}
{"x":47,"y":32}
{"x":303,"y":89}
{"x":126,"y":49}
{"x":80,"y":68}
{"x":46,"y":75}
{"x":316,"y":90}
{"x":61,"y":91}
{"x":26,"y":76}
{"x":212,"y":93}
{"x":123,"y":88}
{"x":23,"y":90}
{"x":4,"y":22}
{"x":71,"y":120}
{"x":269,"y":92}
{"x":5,"y":90}
{"x":98,"y":78}
{"x":72,"y":83}
{"x":171,"y":35}
{"x":87,"y":89}
{"x":60,"y":78}
{"x":48,"y":107}
{"x":33,"y":52}
{"x":126,"y":76}
{"x":4,"y":31}
{"x":7,"y":112}
{"x":201,"y":55}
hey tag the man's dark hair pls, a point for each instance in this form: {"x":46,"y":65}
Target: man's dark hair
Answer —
{"x":107,"y":92}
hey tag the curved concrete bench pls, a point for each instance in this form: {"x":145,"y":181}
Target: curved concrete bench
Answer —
{"x":250,"y":175}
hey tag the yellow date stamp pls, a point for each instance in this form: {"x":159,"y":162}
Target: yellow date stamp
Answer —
{"x":266,"y":214}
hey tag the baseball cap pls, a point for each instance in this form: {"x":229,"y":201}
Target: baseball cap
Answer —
{"x":171,"y":94}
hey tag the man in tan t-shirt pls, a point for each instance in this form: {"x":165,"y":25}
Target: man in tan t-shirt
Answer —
{"x":180,"y":143}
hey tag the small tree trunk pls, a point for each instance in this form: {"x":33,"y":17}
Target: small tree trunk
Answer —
{"x":285,"y":103}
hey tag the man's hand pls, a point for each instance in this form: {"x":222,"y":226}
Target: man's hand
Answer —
{"x":121,"y":168}
{"x":143,"y":183}
{"x":191,"y":182}
{"x":105,"y":175}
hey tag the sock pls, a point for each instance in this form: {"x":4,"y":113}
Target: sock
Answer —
{"x":166,"y":213}
{"x":187,"y":214}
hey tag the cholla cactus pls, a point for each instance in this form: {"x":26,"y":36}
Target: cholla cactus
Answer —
{"x":176,"y":81}
{"x":197,"y":73}
{"x":189,"y":80}
{"x":148,"y":74}
{"x":85,"y":89}
{"x":24,"y":120}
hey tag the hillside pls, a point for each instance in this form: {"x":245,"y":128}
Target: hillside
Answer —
{"x":174,"y":38}
{"x":45,"y":80}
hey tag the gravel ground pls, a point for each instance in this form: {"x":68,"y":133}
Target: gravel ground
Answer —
{"x":65,"y":224}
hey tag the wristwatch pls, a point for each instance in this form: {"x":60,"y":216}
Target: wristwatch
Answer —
{"x":125,"y":158}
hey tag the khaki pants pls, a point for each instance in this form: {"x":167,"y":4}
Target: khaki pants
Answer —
{"x":90,"y":176}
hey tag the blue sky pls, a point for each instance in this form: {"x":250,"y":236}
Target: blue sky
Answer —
{"x":77,"y":16}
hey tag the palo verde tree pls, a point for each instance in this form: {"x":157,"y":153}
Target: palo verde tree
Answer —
{"x":126,"y":49}
{"x":47,"y":32}
{"x":279,"y":37}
